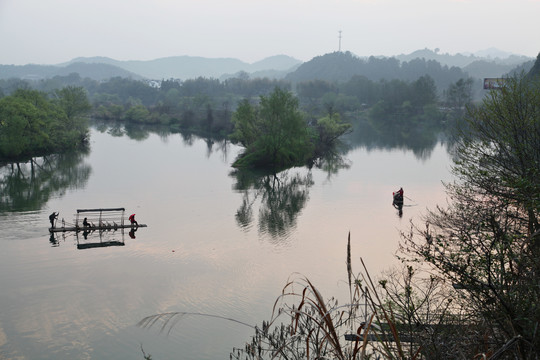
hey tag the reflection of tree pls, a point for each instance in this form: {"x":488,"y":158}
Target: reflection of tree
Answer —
{"x":282,"y":197}
{"x":420,"y":140}
{"x":141,"y":132}
{"x":332,"y":162}
{"x":28,"y":186}
{"x":137,"y":132}
{"x":217,"y":144}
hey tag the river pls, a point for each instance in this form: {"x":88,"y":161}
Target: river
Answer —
{"x":217,"y":243}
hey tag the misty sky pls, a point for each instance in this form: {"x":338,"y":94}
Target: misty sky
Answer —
{"x":55,"y":31}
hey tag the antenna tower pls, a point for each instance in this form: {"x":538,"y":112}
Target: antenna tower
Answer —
{"x":339,"y":48}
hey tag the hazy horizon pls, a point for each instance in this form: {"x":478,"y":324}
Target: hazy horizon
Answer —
{"x":57,"y":31}
{"x":475,"y":53}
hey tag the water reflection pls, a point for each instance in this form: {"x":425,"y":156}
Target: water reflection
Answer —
{"x":54,"y":313}
{"x":333,"y":162}
{"x":421,"y":141}
{"x":140,"y":132}
{"x":90,"y":242}
{"x":281,"y":197}
{"x":91,"y":238}
{"x":28,"y":186}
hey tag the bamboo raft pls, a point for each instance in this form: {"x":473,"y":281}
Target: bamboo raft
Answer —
{"x":99,"y":219}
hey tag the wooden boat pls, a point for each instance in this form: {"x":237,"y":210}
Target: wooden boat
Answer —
{"x":106,"y":219}
{"x":397,"y":200}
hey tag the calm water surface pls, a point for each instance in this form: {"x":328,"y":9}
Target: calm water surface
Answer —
{"x":216,"y":243}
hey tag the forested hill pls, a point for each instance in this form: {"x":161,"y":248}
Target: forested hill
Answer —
{"x":97,"y":71}
{"x":535,"y":71}
{"x":342,"y":66}
{"x":493,"y":56}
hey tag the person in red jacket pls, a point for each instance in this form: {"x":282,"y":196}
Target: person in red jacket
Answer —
{"x":398,"y":198}
{"x":132,"y":220}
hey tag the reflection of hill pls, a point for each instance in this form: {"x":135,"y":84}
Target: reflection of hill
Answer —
{"x":28,"y":186}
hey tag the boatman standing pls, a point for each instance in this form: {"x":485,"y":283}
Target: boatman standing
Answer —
{"x":53,"y":217}
{"x":132,"y":220}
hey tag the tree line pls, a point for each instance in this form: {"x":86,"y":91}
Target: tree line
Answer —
{"x":198,"y":103}
{"x":207,"y":105}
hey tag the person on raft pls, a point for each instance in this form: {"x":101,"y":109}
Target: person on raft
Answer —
{"x":132,"y":220}
{"x":53,"y":217}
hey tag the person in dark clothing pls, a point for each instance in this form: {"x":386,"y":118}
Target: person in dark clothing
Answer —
{"x":53,"y":217}
{"x":85,"y":222}
{"x":398,"y":199}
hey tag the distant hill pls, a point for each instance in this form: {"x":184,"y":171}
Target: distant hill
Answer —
{"x":96,"y":71}
{"x":462,"y":60}
{"x":190,"y":67}
{"x":342,"y":66}
{"x":458,"y":60}
{"x":177,"y":67}
{"x":277,"y":63}
{"x":338,"y":66}
{"x":488,"y":69}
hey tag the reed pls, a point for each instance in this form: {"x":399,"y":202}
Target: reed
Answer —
{"x":384,"y":320}
{"x":401,"y":317}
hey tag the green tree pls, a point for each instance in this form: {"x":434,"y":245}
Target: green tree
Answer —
{"x":72,"y":128}
{"x":15,"y":115}
{"x":26,"y":119}
{"x":74,"y":101}
{"x":459,"y":94}
{"x":137,"y":113}
{"x":330,"y":128}
{"x":424,"y":92}
{"x":274,"y":133}
{"x":246,"y":124}
{"x":487,"y":242}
